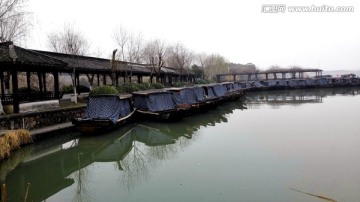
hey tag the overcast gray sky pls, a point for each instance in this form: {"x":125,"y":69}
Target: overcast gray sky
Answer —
{"x":238,"y":30}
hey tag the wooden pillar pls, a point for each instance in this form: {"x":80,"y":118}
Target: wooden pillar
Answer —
{"x":2,"y":84}
{"x":98,"y":79}
{"x":56,"y":84}
{"x":267,"y":76}
{"x":15,"y":90}
{"x":117,"y":79}
{"x":40,"y":82}
{"x":77,"y":82}
{"x":104,"y":79}
{"x":234,"y":77}
{"x":170,"y":79}
{"x":77,"y":77}
{"x":44,"y":81}
{"x":28,"y":81}
{"x":138,"y":78}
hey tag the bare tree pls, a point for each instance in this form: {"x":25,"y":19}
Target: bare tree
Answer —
{"x":130,"y":47}
{"x":154,"y":54}
{"x":13,"y":26}
{"x":69,"y":41}
{"x":13,"y":20}
{"x":180,"y":57}
{"x":215,"y":64}
{"x":200,"y":58}
{"x":113,"y":67}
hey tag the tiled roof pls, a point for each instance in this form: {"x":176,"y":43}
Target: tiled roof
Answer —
{"x":11,"y":54}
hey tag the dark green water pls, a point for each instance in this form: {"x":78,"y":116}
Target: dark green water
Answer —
{"x":256,"y":150}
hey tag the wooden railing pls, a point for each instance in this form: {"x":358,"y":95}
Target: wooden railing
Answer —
{"x":29,"y":97}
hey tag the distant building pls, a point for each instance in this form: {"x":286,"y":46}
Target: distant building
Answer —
{"x":348,"y":76}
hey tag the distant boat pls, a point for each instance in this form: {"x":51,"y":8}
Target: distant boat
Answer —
{"x":105,"y":112}
{"x":157,"y":104}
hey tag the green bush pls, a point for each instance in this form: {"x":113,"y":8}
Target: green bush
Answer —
{"x":67,"y":89}
{"x":127,"y":88}
{"x":156,"y":86}
{"x":131,"y":87}
{"x":79,"y":89}
{"x":25,"y":90}
{"x":82,"y":89}
{"x":182,"y":84}
{"x":202,"y":81}
{"x":103,"y":90}
{"x":143,"y":86}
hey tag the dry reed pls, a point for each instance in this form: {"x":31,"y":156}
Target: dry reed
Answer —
{"x":24,"y":136}
{"x":3,"y":193}
{"x":13,"y":160}
{"x":4,"y":148}
{"x":12,"y":141}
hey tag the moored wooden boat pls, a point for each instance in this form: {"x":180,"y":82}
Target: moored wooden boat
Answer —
{"x":192,"y":97}
{"x":183,"y":97}
{"x":157,"y":104}
{"x":233,"y":91}
{"x":211,"y":99}
{"x":105,"y":112}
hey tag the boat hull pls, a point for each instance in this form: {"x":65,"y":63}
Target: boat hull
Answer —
{"x":98,"y":126}
{"x":165,"y":116}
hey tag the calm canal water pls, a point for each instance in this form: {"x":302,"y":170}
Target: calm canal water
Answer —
{"x":260,"y":149}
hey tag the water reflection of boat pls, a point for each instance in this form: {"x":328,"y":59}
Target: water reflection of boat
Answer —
{"x":296,"y":97}
{"x":52,"y":167}
{"x":50,"y":173}
{"x":190,"y":125}
{"x":152,"y":136}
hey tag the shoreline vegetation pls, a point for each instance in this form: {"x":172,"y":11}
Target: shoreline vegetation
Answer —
{"x":12,"y":140}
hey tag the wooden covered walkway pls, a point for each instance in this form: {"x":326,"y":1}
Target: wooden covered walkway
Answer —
{"x":269,"y":74}
{"x":15,"y":61}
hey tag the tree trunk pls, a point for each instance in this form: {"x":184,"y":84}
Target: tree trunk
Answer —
{"x":113,"y":68}
{"x":74,"y":85}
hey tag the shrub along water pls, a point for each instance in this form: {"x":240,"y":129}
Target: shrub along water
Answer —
{"x":79,"y":89}
{"x":132,"y":87}
{"x":103,"y":90}
{"x":12,"y":140}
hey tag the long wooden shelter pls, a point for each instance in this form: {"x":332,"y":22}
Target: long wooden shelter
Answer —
{"x":15,"y":61}
{"x":276,"y":74}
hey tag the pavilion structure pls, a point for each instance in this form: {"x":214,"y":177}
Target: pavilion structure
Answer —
{"x":271,"y":74}
{"x":15,"y":61}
